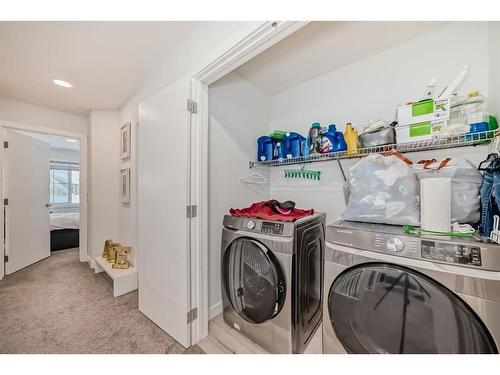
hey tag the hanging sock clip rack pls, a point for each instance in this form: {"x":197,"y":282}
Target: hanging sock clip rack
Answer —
{"x":302,"y":173}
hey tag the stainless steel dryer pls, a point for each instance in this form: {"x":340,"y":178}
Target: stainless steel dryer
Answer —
{"x":390,"y":292}
{"x":272,"y":275}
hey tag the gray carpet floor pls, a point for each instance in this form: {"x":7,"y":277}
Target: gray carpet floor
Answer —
{"x":60,"y":305}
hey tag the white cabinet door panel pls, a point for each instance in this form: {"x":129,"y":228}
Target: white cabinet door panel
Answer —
{"x":163,"y":228}
{"x":27,"y":189}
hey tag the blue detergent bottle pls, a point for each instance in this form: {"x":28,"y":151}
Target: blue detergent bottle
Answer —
{"x":304,"y":147}
{"x":292,"y":143}
{"x":279,"y":150}
{"x":333,"y":140}
{"x":265,"y":148}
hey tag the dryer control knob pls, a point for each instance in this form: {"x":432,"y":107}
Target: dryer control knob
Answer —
{"x":395,"y":244}
{"x":251,"y":224}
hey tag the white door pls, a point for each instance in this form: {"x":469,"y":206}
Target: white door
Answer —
{"x":26,"y":178}
{"x":163,"y":194}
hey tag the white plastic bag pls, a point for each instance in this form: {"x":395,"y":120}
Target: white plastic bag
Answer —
{"x":465,"y":183}
{"x":382,"y":189}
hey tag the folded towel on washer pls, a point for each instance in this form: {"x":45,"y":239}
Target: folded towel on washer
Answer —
{"x":272,"y":210}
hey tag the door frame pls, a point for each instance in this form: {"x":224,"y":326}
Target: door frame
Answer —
{"x":265,"y":36}
{"x":82,"y":137}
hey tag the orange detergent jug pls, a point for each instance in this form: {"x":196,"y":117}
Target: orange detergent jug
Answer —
{"x":351,"y":138}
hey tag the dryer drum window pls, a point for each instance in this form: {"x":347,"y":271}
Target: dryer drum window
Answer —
{"x":386,"y":308}
{"x":253,"y":280}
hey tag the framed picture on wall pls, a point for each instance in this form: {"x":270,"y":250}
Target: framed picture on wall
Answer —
{"x":125,"y":141}
{"x":125,"y":185}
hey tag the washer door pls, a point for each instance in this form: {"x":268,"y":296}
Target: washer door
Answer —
{"x":253,"y":280}
{"x":385,"y":308}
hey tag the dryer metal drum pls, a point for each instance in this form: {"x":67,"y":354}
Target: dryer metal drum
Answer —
{"x":421,"y":296}
{"x":271,"y":275}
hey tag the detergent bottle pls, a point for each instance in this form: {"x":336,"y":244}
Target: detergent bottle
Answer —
{"x":292,"y":144}
{"x":351,"y":139}
{"x":333,"y":140}
{"x":313,"y":142}
{"x":265,"y":148}
{"x":279,"y":150}
{"x":339,"y":144}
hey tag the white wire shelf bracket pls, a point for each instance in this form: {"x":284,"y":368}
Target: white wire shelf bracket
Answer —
{"x":462,"y":140}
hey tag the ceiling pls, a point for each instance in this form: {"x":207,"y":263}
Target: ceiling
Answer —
{"x":105,"y":61}
{"x":53,"y":140}
{"x":320,"y":47}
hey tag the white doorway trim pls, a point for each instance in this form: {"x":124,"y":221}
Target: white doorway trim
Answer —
{"x":263,"y":37}
{"x":83,"y":152}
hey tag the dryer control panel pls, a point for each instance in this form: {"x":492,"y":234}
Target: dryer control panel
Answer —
{"x":272,"y":228}
{"x":450,"y":252}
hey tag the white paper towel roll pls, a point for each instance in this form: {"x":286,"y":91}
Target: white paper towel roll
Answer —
{"x":435,"y":204}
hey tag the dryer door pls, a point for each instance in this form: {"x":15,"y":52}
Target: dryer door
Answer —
{"x":253,"y":280}
{"x":386,"y":308}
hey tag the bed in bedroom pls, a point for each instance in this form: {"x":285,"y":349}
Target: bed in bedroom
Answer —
{"x":64,"y":230}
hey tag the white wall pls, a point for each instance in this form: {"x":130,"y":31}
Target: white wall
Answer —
{"x":238,"y":115}
{"x":372,"y":88}
{"x":31,"y":114}
{"x":199,"y":49}
{"x":127,"y":211}
{"x":104,"y":171}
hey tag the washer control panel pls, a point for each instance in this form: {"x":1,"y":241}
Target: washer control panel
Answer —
{"x":250,"y":224}
{"x":451,"y":253}
{"x":272,"y":228}
{"x":395,"y":244}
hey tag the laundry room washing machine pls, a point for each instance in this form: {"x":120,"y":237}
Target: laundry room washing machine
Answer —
{"x":272,"y":280}
{"x":391,"y":292}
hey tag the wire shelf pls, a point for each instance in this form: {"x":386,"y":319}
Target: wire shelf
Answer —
{"x":463,"y":140}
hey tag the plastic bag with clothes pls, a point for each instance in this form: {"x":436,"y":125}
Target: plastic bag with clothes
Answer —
{"x":382,"y":189}
{"x":465,"y":184}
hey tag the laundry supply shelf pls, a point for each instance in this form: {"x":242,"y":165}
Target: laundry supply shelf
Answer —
{"x":463,"y":140}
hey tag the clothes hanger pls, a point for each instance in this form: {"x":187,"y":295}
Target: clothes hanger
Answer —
{"x":492,"y":156}
{"x":255,"y":178}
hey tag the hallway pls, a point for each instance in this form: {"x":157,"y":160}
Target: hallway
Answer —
{"x":60,"y":305}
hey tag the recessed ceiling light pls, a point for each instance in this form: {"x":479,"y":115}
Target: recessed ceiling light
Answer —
{"x":71,"y":140}
{"x":60,"y":82}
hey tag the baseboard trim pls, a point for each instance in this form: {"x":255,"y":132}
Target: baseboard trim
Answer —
{"x":215,"y":310}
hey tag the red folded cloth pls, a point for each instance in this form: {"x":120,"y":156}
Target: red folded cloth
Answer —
{"x":261,"y":210}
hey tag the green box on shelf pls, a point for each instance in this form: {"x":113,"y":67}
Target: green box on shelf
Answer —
{"x":420,"y":129}
{"x":422,"y":108}
{"x":422,"y":121}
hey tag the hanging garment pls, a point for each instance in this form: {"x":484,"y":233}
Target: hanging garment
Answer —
{"x":268,"y":210}
{"x":490,"y":197}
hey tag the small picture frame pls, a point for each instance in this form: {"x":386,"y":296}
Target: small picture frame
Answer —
{"x":125,"y":185}
{"x":125,"y":141}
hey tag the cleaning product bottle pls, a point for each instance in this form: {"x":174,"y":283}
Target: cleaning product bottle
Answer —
{"x":313,"y":143}
{"x":340,"y":144}
{"x":327,"y":140}
{"x":429,"y":90}
{"x":292,"y":143}
{"x":264,"y":148}
{"x":279,"y":150}
{"x":351,"y":139}
{"x":333,"y":140}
